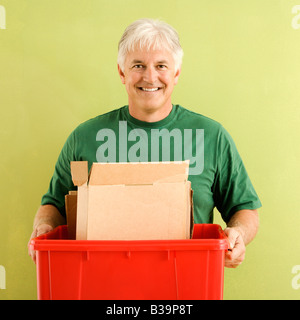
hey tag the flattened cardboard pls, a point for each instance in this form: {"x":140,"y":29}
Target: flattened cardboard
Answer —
{"x":133,"y":201}
{"x":71,"y":213}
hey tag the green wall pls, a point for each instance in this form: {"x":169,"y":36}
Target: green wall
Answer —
{"x":241,"y":67}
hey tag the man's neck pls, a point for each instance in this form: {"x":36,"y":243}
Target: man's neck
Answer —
{"x":149,"y":115}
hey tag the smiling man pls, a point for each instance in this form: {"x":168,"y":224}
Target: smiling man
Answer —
{"x":152,"y":128}
{"x":149,"y":78}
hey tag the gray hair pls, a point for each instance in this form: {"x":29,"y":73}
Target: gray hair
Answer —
{"x":149,"y":33}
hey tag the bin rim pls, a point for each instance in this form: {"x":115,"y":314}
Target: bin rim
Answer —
{"x":43,"y":243}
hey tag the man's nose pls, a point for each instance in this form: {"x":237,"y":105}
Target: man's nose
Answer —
{"x":150,"y":75}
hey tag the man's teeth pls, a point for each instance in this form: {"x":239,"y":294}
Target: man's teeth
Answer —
{"x":150,"y":89}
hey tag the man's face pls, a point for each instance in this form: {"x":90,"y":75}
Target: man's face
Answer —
{"x":149,"y":78}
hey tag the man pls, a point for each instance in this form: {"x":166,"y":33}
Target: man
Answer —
{"x":151,"y":128}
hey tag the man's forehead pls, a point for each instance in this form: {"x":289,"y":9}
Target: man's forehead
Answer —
{"x":142,"y":56}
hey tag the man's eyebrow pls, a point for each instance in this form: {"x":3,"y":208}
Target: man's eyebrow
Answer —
{"x":162,"y":62}
{"x":141,"y":61}
{"x":136,"y":61}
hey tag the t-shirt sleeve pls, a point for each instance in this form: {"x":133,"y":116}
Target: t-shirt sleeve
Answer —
{"x":233,"y":190}
{"x":61,"y":182}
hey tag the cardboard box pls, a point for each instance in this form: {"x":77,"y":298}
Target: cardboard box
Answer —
{"x":133,"y":201}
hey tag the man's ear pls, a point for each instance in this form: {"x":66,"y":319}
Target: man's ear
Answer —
{"x":177,"y":74}
{"x":121,"y":74}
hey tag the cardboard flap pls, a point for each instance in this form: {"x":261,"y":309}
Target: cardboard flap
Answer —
{"x":79,"y":172}
{"x":137,"y":172}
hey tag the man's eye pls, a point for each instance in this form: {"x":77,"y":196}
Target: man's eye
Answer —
{"x":162,"y":66}
{"x":138,"y":66}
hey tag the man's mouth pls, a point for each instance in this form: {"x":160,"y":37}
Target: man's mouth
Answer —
{"x":149,"y":89}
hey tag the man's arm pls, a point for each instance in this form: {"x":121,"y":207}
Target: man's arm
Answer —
{"x":46,"y":219}
{"x":241,"y":230}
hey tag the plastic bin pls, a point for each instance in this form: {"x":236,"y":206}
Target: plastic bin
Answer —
{"x":137,"y":270}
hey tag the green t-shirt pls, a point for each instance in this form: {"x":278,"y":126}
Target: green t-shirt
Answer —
{"x":216,"y":172}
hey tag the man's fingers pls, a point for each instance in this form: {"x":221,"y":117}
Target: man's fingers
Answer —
{"x":236,"y":253}
{"x":234,"y":258}
{"x":41,"y":229}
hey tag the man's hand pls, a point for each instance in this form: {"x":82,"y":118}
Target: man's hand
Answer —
{"x":236,"y":253}
{"x":46,"y":219}
{"x":38,"y":231}
{"x":241,"y":230}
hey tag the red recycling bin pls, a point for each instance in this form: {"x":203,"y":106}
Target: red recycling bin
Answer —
{"x":137,"y":270}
